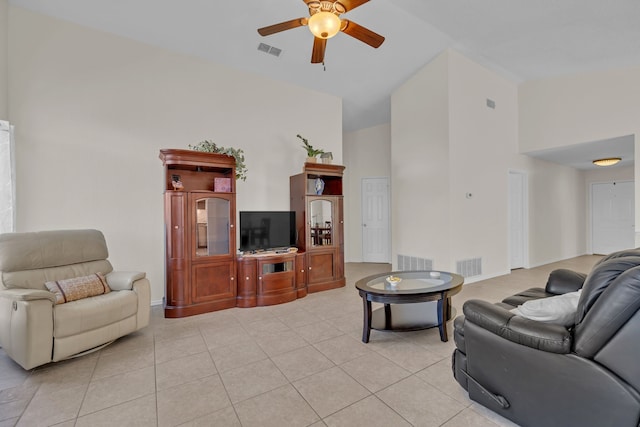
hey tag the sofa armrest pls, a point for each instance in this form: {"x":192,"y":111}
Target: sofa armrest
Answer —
{"x":123,"y":280}
{"x":562,"y":281}
{"x":499,"y":321}
{"x":24,"y":294}
{"x":26,"y":325}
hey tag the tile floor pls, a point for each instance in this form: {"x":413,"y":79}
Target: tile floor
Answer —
{"x":296,"y":364}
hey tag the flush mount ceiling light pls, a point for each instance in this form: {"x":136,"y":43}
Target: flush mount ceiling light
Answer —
{"x":607,"y":162}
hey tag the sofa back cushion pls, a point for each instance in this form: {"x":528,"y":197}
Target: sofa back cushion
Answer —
{"x":28,"y":260}
{"x":610,"y":298}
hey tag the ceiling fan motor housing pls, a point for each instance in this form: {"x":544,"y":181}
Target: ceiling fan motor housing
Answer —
{"x":326,"y":6}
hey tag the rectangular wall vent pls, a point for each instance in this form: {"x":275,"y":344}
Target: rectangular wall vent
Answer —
{"x":407,"y":263}
{"x":469,"y":267}
{"x":271,"y":50}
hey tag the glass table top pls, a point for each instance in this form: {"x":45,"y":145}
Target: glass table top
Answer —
{"x":409,"y":282}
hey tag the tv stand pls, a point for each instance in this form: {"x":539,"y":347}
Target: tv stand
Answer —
{"x":268,"y":278}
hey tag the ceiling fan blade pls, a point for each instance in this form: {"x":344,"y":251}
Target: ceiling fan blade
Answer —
{"x":288,"y":25}
{"x":361,"y":33}
{"x":317,"y":55}
{"x":352,"y":4}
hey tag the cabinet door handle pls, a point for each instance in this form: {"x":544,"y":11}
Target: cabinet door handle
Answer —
{"x":259,"y":277}
{"x":233,"y":278}
{"x":247,"y":278}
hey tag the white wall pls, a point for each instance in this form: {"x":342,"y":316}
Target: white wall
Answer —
{"x":582,"y":108}
{"x":4,"y":60}
{"x":446,"y":142}
{"x":367,"y":153}
{"x":92,"y":110}
{"x":420,"y":165}
{"x":578,"y":108}
{"x":480,"y":140}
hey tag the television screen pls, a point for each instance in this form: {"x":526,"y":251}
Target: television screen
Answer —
{"x":265,"y":230}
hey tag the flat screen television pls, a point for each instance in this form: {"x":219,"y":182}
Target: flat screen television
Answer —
{"x":267,"y":230}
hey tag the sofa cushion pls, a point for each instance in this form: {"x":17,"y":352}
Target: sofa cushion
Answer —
{"x":90,"y":313}
{"x":523,"y":296}
{"x":78,"y":287}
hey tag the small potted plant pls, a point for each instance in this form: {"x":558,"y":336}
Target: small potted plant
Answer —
{"x":311,"y":152}
{"x":236,"y":153}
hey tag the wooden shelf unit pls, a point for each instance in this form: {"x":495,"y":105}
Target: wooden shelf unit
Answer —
{"x":200,"y":234}
{"x":320,"y":224}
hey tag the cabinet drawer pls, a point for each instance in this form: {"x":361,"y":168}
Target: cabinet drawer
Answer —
{"x":276,"y":282}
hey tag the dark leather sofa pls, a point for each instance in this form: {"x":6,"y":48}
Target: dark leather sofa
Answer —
{"x":543,"y":374}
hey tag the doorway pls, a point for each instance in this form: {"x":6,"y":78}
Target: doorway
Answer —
{"x":518,"y":220}
{"x":612,"y":217}
{"x":375,"y":220}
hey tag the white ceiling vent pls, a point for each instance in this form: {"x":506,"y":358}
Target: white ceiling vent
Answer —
{"x":263,"y":47}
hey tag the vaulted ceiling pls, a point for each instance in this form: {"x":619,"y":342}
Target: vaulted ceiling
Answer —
{"x":519,"y":39}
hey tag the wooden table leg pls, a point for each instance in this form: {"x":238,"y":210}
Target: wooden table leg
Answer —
{"x":366,"y":329}
{"x":442,"y":320}
{"x":387,"y":316}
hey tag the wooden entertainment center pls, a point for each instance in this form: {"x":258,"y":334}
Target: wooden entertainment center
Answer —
{"x":203,"y":271}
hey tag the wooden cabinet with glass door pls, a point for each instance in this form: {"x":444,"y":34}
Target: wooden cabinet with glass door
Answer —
{"x":199,"y":231}
{"x":316,"y":197}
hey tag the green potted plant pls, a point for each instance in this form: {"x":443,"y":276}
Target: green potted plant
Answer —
{"x":311,"y":152}
{"x":236,"y":153}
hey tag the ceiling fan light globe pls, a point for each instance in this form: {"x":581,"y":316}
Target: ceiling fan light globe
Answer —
{"x":324,"y":25}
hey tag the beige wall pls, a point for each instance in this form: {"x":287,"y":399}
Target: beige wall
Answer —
{"x":92,"y":110}
{"x":4,"y":59}
{"x":367,"y":153}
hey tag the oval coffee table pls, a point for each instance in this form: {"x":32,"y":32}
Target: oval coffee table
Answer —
{"x":415,"y":287}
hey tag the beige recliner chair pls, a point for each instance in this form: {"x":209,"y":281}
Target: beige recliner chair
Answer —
{"x":34,"y":329}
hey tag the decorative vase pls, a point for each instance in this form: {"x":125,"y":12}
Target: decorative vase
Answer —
{"x":319,"y":185}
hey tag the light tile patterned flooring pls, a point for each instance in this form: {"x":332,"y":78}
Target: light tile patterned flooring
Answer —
{"x":295,"y":364}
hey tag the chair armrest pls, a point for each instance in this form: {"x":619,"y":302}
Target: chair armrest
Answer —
{"x":24,"y":294}
{"x":499,"y":321}
{"x":562,"y":281}
{"x":123,"y":280}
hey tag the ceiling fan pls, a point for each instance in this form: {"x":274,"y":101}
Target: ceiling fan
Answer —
{"x":324,"y":22}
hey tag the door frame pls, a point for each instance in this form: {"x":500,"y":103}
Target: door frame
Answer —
{"x":388,"y":225}
{"x":525,"y":213}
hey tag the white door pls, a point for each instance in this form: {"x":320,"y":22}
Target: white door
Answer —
{"x":517,"y":219}
{"x":375,"y":220}
{"x":612,"y":217}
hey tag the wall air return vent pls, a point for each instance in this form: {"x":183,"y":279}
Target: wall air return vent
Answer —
{"x":407,"y":263}
{"x":469,"y":267}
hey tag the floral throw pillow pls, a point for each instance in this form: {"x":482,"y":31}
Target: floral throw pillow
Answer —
{"x":78,"y":287}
